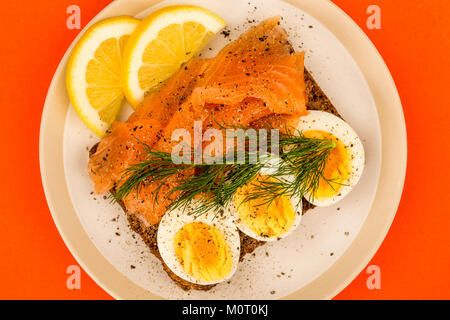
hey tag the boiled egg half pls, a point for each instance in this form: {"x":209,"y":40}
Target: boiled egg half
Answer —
{"x":261,"y":219}
{"x":344,"y":165}
{"x":203,"y":250}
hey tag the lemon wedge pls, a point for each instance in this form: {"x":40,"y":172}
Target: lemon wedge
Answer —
{"x":94,"y":80}
{"x":161,"y":44}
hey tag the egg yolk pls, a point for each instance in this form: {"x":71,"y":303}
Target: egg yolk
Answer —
{"x":267,"y":220}
{"x":203,"y":252}
{"x":337,"y":169}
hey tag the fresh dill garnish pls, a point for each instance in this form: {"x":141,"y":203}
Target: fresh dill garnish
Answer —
{"x":214,"y":186}
{"x":299,"y":171}
{"x":156,"y":168}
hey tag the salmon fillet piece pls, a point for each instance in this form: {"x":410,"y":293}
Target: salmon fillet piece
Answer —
{"x":119,"y":149}
{"x":260,"y":64}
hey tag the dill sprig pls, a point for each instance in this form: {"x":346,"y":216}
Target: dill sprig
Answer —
{"x":299,"y":172}
{"x":156,"y":168}
{"x":214,"y":186}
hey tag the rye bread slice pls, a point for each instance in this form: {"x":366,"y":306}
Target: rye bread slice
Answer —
{"x":317,"y":100}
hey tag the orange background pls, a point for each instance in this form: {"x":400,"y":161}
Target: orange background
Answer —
{"x":414,"y":258}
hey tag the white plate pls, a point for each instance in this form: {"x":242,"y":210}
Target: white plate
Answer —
{"x":296,"y":267}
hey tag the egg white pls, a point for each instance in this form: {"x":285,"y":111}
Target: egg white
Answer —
{"x":174,"y":220}
{"x":324,"y":121}
{"x":296,"y":204}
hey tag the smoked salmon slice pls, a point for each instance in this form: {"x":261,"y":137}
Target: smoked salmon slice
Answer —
{"x":256,"y":77}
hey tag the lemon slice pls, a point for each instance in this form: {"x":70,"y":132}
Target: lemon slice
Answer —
{"x":94,"y":72}
{"x":161,"y":44}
